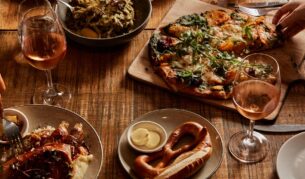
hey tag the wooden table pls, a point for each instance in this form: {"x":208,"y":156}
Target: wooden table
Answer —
{"x":109,"y":99}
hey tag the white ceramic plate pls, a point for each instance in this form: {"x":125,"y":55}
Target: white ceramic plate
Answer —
{"x":290,"y":161}
{"x":43,"y":115}
{"x":170,"y":119}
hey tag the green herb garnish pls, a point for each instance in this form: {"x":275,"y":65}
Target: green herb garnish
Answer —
{"x":248,"y":32}
{"x":189,"y":78}
{"x":237,"y":17}
{"x":193,"y":20}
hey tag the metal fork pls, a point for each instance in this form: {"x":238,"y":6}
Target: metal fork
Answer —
{"x":11,"y":131}
{"x":256,"y":11}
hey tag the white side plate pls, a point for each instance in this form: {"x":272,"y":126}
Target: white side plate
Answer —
{"x":290,"y":161}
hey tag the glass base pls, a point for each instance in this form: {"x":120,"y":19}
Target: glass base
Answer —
{"x":60,"y":97}
{"x":248,"y":150}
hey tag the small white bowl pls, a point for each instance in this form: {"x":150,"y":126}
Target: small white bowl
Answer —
{"x":151,"y":126}
{"x":21,"y":116}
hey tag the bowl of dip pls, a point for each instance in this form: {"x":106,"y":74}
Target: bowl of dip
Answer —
{"x":146,"y":136}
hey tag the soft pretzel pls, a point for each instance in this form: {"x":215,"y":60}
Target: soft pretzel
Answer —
{"x":182,"y":162}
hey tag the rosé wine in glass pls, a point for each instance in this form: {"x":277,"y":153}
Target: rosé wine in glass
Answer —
{"x":256,"y":93}
{"x":43,"y":45}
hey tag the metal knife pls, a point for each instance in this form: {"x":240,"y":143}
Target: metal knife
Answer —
{"x":263,"y":4}
{"x":280,"y":128}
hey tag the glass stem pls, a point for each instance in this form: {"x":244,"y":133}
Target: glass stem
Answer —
{"x":49,"y":79}
{"x":51,"y":93}
{"x":250,"y":131}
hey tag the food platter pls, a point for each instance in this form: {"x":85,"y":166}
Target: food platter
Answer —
{"x":291,"y":158}
{"x":43,"y":115}
{"x":170,"y":119}
{"x":287,"y":55}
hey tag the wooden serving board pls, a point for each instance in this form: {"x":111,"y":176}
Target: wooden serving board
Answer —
{"x":289,"y":56}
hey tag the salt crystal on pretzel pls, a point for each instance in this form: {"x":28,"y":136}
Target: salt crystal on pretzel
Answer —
{"x":182,"y":162}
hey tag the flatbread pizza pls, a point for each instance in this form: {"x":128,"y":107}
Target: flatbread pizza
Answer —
{"x":199,"y":54}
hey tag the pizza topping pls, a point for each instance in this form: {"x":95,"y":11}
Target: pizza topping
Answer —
{"x":164,"y":45}
{"x":239,"y":17}
{"x":193,"y":20}
{"x":217,"y":17}
{"x":189,"y":78}
{"x":198,"y":53}
{"x":176,"y":30}
{"x":248,"y":32}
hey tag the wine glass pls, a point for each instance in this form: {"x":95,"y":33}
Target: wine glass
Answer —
{"x":256,"y":93}
{"x":43,"y":45}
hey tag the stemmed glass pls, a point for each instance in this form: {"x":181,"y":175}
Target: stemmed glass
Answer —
{"x":256,"y":94}
{"x":43,"y":45}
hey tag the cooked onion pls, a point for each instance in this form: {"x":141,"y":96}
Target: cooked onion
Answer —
{"x":107,"y":18}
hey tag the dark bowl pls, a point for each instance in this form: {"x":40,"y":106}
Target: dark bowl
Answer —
{"x":142,"y":9}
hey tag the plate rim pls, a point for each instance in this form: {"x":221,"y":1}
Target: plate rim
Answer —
{"x":280,"y":152}
{"x":74,"y":113}
{"x":171,"y":109}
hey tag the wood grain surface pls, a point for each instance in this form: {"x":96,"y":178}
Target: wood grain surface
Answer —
{"x":109,"y":99}
{"x":8,"y":15}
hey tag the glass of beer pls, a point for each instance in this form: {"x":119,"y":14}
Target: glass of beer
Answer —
{"x":43,"y":45}
{"x":256,"y":93}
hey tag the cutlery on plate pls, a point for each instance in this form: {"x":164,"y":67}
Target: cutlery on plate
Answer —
{"x":263,"y":4}
{"x":66,"y":4}
{"x":280,"y":128}
{"x":12,"y":132}
{"x":256,"y":11}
